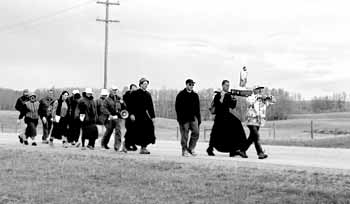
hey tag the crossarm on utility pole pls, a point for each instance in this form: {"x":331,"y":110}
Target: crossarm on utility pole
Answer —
{"x":108,"y":3}
{"x":109,"y":21}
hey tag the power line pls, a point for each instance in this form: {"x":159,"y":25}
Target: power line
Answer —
{"x":34,"y":21}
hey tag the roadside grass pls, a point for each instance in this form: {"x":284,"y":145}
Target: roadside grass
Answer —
{"x":78,"y":177}
{"x":331,"y":142}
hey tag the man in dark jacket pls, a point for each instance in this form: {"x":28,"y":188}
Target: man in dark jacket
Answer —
{"x":45,"y":113}
{"x":187,"y":108}
{"x":101,"y":113}
{"x":129,"y":125}
{"x":142,"y":115}
{"x":21,"y":108}
{"x":88,"y":117}
{"x":112,"y":107}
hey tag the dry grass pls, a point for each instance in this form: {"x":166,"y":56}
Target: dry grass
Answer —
{"x":78,"y":177}
{"x":331,"y":142}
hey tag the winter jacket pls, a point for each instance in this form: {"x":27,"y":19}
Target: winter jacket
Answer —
{"x":87,"y":106}
{"x":32,"y":110}
{"x":21,"y":107}
{"x":102,"y":116}
{"x":45,"y":107}
{"x":113,"y":105}
{"x":187,"y":107}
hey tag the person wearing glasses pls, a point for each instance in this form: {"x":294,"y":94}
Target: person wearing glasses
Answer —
{"x":187,"y":109}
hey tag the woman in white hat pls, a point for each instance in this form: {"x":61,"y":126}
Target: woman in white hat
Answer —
{"x":88,"y":118}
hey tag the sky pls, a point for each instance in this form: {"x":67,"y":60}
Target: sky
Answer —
{"x":300,"y":46}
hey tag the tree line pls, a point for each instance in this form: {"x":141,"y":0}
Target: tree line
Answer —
{"x":164,"y":102}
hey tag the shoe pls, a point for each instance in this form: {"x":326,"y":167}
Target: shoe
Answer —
{"x":20,"y":139}
{"x":185,"y":153}
{"x":25,"y":142}
{"x":90,"y":147}
{"x":133,"y":148}
{"x":262,"y":156}
{"x":34,"y":144}
{"x":144,"y":151}
{"x":72,"y":143}
{"x":233,"y":154}
{"x":64,"y":145}
{"x":193,"y":153}
{"x":210,"y":151}
{"x":124,"y":149}
{"x":51,"y":142}
{"x":242,"y":154}
{"x":105,"y":147}
{"x":116,"y":149}
{"x":45,"y":142}
{"x":77,"y":144}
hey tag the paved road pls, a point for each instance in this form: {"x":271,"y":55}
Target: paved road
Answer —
{"x":299,"y":158}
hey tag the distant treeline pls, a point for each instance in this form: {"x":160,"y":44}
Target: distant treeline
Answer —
{"x":164,"y":100}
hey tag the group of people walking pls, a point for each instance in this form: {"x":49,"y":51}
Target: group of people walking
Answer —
{"x":73,"y":116}
{"x":227,"y":134}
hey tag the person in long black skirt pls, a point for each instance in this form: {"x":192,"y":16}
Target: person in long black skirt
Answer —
{"x":227,"y":134}
{"x":74,"y":121}
{"x":143,"y":115}
{"x":129,"y":136}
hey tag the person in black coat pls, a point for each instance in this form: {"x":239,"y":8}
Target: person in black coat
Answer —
{"x":143,"y":116}
{"x":74,"y":121}
{"x":88,"y":117}
{"x":227,"y":133}
{"x":130,"y":129}
{"x":187,"y":108}
{"x":20,"y":106}
{"x":45,"y":113}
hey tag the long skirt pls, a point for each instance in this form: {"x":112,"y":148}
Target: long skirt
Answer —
{"x":90,"y":132}
{"x":130,"y":132}
{"x":74,"y":130}
{"x":31,"y":127}
{"x":227,"y":134}
{"x":60,"y":129}
{"x":144,"y":131}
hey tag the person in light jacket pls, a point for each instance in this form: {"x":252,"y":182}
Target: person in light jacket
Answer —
{"x":31,"y":119}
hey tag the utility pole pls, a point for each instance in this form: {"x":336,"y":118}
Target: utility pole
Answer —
{"x":106,"y":21}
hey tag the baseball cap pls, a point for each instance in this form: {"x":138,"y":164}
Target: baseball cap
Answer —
{"x":190,"y":81}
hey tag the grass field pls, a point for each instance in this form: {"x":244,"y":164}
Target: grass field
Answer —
{"x":52,"y":176}
{"x":294,"y":131}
